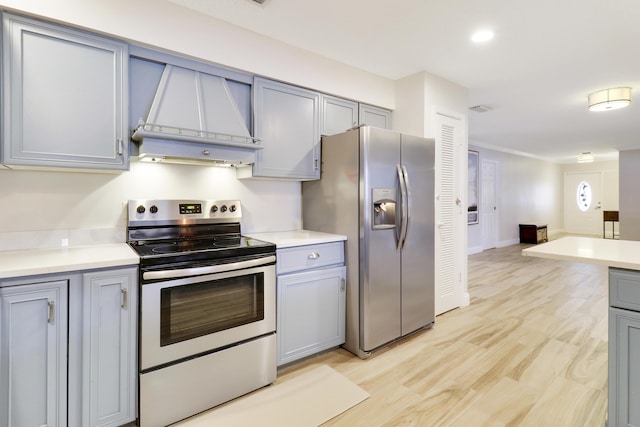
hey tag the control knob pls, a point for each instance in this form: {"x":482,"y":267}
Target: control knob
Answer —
{"x":153,"y":209}
{"x":140,"y":209}
{"x":214,"y":209}
{"x":232,"y":208}
{"x":223,"y":208}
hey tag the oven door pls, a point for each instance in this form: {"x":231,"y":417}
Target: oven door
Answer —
{"x":192,"y":316}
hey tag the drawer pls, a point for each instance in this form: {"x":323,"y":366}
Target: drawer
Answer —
{"x":624,"y":289}
{"x":309,"y":256}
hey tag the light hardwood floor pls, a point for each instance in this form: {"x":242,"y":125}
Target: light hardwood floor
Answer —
{"x":530,"y":350}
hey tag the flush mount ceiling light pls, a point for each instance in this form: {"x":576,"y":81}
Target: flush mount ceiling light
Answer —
{"x":482,"y":36}
{"x":610,"y":99}
{"x":586,"y":157}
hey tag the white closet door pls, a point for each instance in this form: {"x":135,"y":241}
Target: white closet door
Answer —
{"x":450,"y":236}
{"x":489,"y":203}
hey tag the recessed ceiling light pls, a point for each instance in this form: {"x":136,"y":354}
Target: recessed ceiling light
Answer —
{"x":482,"y":36}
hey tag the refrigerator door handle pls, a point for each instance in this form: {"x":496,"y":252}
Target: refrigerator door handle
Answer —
{"x":403,"y":208}
{"x":399,"y":205}
{"x":406,"y":209}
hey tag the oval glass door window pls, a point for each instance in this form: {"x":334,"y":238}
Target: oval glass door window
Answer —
{"x":583,"y":196}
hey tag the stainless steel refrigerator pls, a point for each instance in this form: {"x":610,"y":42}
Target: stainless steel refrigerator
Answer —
{"x":377,"y":188}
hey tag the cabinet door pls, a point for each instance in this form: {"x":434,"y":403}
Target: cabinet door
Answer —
{"x":374,"y":116}
{"x":109,"y":349}
{"x":287,"y":121}
{"x":65,"y":97}
{"x":338,"y":115}
{"x":624,"y":369}
{"x":33,"y":354}
{"x":311,"y":312}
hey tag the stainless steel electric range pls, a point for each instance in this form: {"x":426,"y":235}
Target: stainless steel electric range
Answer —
{"x":207,"y":307}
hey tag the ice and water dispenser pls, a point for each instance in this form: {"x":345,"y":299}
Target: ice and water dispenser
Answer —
{"x":384,"y":208}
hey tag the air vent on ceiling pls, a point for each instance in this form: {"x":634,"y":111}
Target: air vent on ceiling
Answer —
{"x":480,"y":108}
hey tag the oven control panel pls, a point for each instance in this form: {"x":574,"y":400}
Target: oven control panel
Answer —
{"x":149,"y":211}
{"x":190,"y":208}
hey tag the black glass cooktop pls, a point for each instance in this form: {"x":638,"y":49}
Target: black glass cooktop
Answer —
{"x":227,"y":244}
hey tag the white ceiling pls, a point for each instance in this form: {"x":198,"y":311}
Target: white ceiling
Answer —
{"x":535,"y":75}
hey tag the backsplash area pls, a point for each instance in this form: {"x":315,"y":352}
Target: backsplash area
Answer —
{"x":51,"y":209}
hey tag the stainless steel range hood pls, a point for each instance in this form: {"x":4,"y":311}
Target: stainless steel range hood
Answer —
{"x":193,"y":120}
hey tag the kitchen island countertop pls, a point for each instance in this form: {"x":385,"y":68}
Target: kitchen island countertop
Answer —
{"x":609,"y":252}
{"x":286,"y":239}
{"x":29,"y":262}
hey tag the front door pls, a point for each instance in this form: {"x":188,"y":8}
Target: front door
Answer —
{"x":583,"y":203}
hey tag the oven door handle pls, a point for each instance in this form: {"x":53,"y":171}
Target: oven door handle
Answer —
{"x":196,"y":271}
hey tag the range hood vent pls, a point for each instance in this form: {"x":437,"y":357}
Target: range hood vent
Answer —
{"x":194,"y":116}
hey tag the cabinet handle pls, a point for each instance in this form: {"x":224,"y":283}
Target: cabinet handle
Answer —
{"x":51,"y":311}
{"x":120,"y":146}
{"x":313,"y":255}
{"x":124,"y":298}
{"x":343,"y":286}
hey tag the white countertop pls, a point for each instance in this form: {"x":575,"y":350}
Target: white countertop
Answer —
{"x":286,"y":239}
{"x":65,"y":259}
{"x":609,"y":252}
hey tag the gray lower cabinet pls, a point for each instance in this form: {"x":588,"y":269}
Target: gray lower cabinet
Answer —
{"x":33,"y":354}
{"x":68,"y":353}
{"x":287,"y":122}
{"x":374,"y":116}
{"x":624,"y":348}
{"x":338,"y":115}
{"x":310,"y":299}
{"x":65,"y":100}
{"x":109,"y":368}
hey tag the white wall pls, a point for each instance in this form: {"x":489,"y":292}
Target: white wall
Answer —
{"x":629,"y":195}
{"x":420,"y":96}
{"x":40,"y":208}
{"x":532,"y":191}
{"x":529,"y":191}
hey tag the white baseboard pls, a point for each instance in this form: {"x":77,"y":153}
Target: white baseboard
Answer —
{"x":474,"y":250}
{"x":504,"y":243}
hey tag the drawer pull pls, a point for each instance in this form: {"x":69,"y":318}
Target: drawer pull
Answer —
{"x":314,"y":255}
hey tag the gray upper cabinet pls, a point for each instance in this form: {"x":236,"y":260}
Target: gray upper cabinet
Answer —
{"x":287,"y":122}
{"x":375,"y":116}
{"x":65,"y":97}
{"x":338,"y":115}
